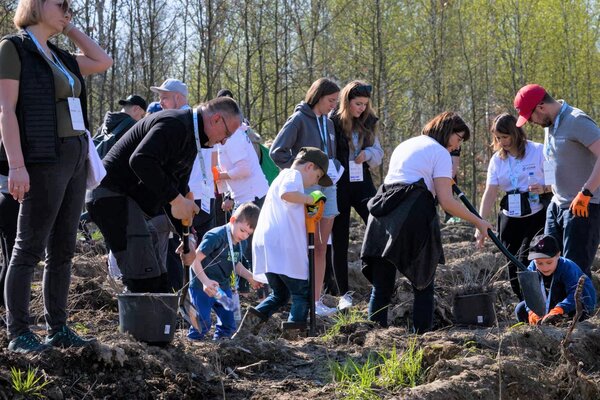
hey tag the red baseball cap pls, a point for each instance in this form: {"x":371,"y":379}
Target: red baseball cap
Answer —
{"x":527,"y":98}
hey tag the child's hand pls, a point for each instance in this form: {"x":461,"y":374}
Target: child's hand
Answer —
{"x":554,"y":316}
{"x":255,"y":284}
{"x":210,"y":287}
{"x":534,"y":319}
{"x":187,"y":258}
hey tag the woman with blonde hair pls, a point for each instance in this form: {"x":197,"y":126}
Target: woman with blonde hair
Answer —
{"x":358,"y":149}
{"x":43,"y":120}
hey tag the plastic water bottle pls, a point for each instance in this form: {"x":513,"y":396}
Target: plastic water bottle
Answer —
{"x":224,"y":300}
{"x":534,"y":198}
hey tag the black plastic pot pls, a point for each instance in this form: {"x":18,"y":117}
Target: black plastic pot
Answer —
{"x":148,"y":317}
{"x":474,"y":309}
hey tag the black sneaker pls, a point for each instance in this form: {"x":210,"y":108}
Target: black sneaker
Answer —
{"x":28,"y":342}
{"x":67,"y":338}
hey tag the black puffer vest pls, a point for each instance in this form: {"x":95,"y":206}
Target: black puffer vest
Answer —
{"x":36,"y":108}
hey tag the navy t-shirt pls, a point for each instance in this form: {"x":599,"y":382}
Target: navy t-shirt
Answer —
{"x":218,"y":264}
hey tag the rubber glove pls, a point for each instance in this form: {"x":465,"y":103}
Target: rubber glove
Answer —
{"x":317,"y":196}
{"x":553,"y":316}
{"x":534,"y":319}
{"x":215,"y":173}
{"x":579,"y":205}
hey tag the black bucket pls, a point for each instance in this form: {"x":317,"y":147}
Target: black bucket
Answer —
{"x":148,"y":317}
{"x":474,"y":309}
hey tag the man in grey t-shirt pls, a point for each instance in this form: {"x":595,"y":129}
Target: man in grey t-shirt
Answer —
{"x":572,"y":161}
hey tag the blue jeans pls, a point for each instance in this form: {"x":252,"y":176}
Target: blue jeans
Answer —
{"x":282,"y":288}
{"x":384,"y":281}
{"x":579,"y":236}
{"x":225,"y":327}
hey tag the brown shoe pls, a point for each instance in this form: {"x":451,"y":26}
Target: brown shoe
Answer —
{"x":251,"y":323}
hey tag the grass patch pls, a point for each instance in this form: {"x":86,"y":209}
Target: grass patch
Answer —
{"x":28,"y":383}
{"x":389,"y":371}
{"x":344,"y":318}
{"x":80,"y":328}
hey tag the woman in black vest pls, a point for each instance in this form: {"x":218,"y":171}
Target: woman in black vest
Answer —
{"x":43,"y":119}
{"x":358,"y":149}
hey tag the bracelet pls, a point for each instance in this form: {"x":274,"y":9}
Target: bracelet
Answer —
{"x":17,"y":168}
{"x":68,"y":28}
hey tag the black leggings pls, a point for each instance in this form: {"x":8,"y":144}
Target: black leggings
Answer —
{"x":349,"y":194}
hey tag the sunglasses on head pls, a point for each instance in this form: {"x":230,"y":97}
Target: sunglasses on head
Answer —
{"x":361,"y":91}
{"x":65,"y":6}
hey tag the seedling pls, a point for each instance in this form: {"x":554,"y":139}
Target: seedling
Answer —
{"x":29,"y":383}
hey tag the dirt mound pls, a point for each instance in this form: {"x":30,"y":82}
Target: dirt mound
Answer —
{"x":507,"y":360}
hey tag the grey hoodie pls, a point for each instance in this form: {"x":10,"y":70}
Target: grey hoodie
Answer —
{"x":301,"y":130}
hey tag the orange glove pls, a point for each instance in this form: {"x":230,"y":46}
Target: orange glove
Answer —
{"x":553,"y":316}
{"x":534,"y":319}
{"x":579,"y":205}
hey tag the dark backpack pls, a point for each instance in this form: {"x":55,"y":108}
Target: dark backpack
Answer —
{"x":105,"y":140}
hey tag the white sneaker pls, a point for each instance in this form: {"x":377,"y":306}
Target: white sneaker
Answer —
{"x":323,"y":311}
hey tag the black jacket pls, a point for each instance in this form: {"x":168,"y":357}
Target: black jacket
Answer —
{"x":341,"y":141}
{"x":403,"y":228}
{"x":153,"y":161}
{"x":36,"y":108}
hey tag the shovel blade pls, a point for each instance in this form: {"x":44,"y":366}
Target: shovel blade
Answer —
{"x":532,"y":292}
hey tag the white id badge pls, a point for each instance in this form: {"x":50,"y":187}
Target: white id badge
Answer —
{"x":514,"y":205}
{"x":205,"y":197}
{"x":76,"y":114}
{"x":549,"y":172}
{"x":356,"y":172}
{"x":332,"y":170}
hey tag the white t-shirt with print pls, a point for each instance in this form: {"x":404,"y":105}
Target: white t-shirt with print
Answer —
{"x":280,"y":244}
{"x":239,"y":148}
{"x":512,"y":173}
{"x":419,"y":157}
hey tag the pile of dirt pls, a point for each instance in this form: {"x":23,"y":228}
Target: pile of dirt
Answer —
{"x":507,"y":360}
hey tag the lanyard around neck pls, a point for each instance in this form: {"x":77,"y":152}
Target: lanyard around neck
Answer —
{"x":323,"y":133}
{"x":228,"y":228}
{"x":54,"y":60}
{"x":198,"y":145}
{"x":512,"y":175}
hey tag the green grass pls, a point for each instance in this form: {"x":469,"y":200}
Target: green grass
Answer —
{"x":28,"y":383}
{"x":344,"y":318}
{"x":389,"y":371}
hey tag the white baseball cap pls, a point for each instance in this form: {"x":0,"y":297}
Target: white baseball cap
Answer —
{"x":171,"y":85}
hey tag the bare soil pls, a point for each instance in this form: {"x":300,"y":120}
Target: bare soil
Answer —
{"x":505,"y":361}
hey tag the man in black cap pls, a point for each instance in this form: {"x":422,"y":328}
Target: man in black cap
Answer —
{"x":117,"y":123}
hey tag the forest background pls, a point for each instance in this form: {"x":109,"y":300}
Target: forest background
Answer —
{"x":422,"y":57}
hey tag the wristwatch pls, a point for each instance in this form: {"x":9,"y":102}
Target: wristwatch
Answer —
{"x":586,"y":192}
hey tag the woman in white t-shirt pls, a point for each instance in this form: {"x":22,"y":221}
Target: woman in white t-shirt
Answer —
{"x":516,"y":168}
{"x":403,"y":230}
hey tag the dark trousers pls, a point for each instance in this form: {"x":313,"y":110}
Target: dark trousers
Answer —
{"x":579,"y":236}
{"x":134,"y":245}
{"x":48,"y":219}
{"x":384,"y":281}
{"x":9,"y":212}
{"x":515,"y":234}
{"x":349,"y":195}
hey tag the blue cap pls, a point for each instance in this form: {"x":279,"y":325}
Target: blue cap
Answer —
{"x":154,"y":107}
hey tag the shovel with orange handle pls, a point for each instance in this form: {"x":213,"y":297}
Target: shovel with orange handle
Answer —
{"x":312,"y":215}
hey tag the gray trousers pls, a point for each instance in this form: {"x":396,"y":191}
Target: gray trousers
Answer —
{"x":48,"y":219}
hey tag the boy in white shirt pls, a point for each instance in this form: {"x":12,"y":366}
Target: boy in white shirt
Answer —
{"x":279,"y":249}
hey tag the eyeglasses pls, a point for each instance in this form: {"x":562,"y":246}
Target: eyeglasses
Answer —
{"x":228,"y":133}
{"x":461,"y":138}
